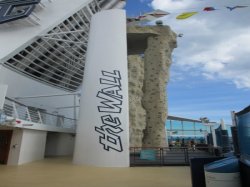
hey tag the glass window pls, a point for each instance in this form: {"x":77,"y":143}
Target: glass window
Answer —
{"x":229,"y":131}
{"x":188,"y":125}
{"x":168,"y":125}
{"x":176,"y":125}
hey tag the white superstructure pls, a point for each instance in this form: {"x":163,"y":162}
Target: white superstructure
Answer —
{"x":42,"y":60}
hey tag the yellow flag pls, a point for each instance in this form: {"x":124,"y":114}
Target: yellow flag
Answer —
{"x":186,"y":15}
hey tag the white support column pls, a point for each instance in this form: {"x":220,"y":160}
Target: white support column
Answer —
{"x":214,"y":136}
{"x":102,"y":137}
{"x":3,"y":91}
{"x":233,"y":118}
{"x":3,"y":88}
{"x":223,"y":126}
{"x":40,"y":117}
{"x":120,"y":5}
{"x":28,"y":114}
{"x":15,"y":115}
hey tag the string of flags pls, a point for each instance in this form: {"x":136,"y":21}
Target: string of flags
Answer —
{"x":186,"y":15}
{"x":159,"y":13}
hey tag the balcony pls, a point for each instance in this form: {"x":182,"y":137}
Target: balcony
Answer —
{"x":16,"y":114}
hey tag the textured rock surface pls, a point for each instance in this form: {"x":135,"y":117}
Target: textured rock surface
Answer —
{"x":160,"y":41}
{"x":137,"y":114}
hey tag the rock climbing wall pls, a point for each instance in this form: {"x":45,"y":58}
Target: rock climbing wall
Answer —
{"x":137,"y":114}
{"x":148,"y":77}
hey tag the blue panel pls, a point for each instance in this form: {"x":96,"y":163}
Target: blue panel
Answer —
{"x":227,"y":165}
{"x":222,"y":139}
{"x":210,"y":139}
{"x":243,"y":125}
{"x":148,"y":155}
{"x":218,"y":136}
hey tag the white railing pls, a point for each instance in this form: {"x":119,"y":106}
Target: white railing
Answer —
{"x":18,"y":110}
{"x":3,"y":117}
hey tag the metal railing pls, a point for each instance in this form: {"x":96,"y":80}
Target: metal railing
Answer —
{"x":2,"y":117}
{"x":17,"y":110}
{"x":163,"y":156}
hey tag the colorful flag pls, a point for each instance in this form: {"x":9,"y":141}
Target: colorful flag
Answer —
{"x":209,"y":9}
{"x":232,"y":8}
{"x":150,"y":16}
{"x":186,"y":15}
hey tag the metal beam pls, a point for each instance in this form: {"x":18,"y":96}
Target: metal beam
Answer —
{"x":183,"y":119}
{"x":40,"y":96}
{"x":65,"y":107}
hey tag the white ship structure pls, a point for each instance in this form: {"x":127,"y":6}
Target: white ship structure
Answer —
{"x":43,"y":46}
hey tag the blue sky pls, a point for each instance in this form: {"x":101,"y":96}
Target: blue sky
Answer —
{"x":210,"y":74}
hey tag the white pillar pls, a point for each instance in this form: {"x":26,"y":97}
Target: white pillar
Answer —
{"x":120,"y":5}
{"x":102,"y":137}
{"x":3,"y":91}
{"x":214,"y":136}
{"x":3,"y":87}
{"x":223,"y":126}
{"x":233,"y":118}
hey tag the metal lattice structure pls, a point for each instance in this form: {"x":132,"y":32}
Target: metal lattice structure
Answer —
{"x":58,"y":57}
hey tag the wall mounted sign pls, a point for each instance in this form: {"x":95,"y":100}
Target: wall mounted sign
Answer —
{"x":11,"y":10}
{"x":111,"y":102}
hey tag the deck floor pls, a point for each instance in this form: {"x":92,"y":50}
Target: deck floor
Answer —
{"x":60,"y":172}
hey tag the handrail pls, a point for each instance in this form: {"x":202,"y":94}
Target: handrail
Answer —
{"x":21,"y":111}
{"x":13,"y":100}
{"x":150,"y":156}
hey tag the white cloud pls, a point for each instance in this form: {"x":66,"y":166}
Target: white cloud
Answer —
{"x":213,"y":67}
{"x":242,"y":81}
{"x":209,"y":76}
{"x":171,"y":4}
{"x":227,"y":59}
{"x":216,"y":44}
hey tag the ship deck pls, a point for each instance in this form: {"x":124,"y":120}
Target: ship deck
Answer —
{"x":60,"y":172}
